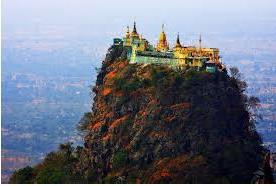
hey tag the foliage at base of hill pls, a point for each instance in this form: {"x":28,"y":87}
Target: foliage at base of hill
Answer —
{"x":57,"y":167}
{"x":154,"y":124}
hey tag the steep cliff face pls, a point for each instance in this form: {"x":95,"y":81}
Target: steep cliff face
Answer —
{"x":152,"y":124}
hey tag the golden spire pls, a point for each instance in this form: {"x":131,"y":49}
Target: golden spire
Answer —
{"x":200,"y":44}
{"x":134,"y":27}
{"x":162,"y":44}
{"x":200,"y":41}
{"x":134,"y":31}
{"x":162,"y":36}
{"x":127,"y":32}
{"x":178,"y":44}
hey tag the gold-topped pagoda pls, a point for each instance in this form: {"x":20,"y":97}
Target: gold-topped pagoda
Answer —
{"x":134,"y":31}
{"x":141,"y":51}
{"x":162,"y":45}
{"x":177,"y":44}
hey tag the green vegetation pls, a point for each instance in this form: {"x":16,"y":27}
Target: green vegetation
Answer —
{"x":120,"y":159}
{"x":129,"y":82}
{"x":57,"y":167}
{"x":84,"y":122}
{"x":128,"y":86}
{"x":24,"y":176}
{"x":50,"y":175}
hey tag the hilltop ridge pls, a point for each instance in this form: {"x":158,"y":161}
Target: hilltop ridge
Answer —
{"x":155,"y":124}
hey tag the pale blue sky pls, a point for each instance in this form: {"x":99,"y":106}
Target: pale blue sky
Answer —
{"x":22,"y":12}
{"x":103,"y":17}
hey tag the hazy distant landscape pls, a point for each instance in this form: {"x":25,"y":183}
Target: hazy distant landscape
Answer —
{"x":41,"y":106}
{"x":47,"y":71}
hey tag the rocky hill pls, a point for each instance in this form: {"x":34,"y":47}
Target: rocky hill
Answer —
{"x":153,"y":124}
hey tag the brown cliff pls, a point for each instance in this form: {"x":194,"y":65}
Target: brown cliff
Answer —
{"x":154,"y":124}
{"x":170,"y":126}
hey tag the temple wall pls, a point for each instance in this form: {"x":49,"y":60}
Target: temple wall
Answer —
{"x":174,"y":62}
{"x":154,"y":60}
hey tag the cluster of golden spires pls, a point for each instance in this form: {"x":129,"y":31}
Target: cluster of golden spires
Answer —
{"x":162,"y":42}
{"x":184,"y":55}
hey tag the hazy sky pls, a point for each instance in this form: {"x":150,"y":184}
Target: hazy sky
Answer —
{"x":83,"y":11}
{"x":111,"y":17}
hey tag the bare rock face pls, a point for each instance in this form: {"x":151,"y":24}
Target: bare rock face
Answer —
{"x":153,"y":124}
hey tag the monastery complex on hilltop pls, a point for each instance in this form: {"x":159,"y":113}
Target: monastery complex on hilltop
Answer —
{"x":142,"y":52}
